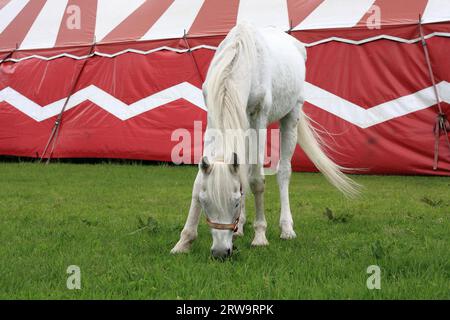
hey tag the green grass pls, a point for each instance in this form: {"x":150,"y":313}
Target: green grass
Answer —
{"x":92,"y":216}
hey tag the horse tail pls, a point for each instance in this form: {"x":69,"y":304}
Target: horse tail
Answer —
{"x":313,"y":145}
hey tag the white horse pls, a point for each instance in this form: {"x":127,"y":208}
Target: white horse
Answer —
{"x":255,"y":78}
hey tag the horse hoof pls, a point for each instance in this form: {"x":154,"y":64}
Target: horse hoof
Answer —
{"x":179,"y":249}
{"x":261,"y":242}
{"x":287,"y":235}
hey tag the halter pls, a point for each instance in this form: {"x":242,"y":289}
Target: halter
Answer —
{"x":227,"y":226}
{"x":224,"y":226}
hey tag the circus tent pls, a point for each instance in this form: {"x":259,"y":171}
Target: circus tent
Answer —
{"x":119,"y":77}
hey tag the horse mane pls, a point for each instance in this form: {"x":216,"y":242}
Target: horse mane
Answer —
{"x":227,"y":90}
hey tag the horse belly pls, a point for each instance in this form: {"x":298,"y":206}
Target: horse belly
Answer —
{"x":287,"y":88}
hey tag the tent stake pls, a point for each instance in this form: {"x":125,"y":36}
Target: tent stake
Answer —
{"x":56,"y":128}
{"x":442,"y":125}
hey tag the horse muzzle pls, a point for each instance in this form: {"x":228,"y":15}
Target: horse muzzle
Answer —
{"x":221,"y":253}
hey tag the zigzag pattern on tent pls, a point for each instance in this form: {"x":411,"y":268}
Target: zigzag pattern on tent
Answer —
{"x":318,"y":97}
{"x":383,"y":112}
{"x":166,"y":48}
{"x":105,"y":101}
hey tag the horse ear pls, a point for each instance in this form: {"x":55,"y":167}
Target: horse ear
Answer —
{"x":205,"y":166}
{"x":235,"y":164}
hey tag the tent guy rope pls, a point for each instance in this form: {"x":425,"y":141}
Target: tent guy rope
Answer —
{"x":53,"y":139}
{"x":442,"y":125}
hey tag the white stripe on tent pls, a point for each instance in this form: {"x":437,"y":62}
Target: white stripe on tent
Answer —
{"x":10,"y":11}
{"x":319,"y":97}
{"x":177,"y":18}
{"x":386,"y":111}
{"x":110,"y":13}
{"x":105,"y":101}
{"x":264,"y":13}
{"x":44,"y":31}
{"x":336,"y":14}
{"x":436,"y":10}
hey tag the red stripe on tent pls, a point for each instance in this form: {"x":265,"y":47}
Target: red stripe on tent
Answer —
{"x":17,"y":30}
{"x":401,"y":72}
{"x":300,"y":9}
{"x":139,"y":22}
{"x":78,"y":13}
{"x":93,"y":129}
{"x":402,"y":146}
{"x":18,"y":131}
{"x":4,"y":3}
{"x":215,"y":17}
{"x":395,"y":12}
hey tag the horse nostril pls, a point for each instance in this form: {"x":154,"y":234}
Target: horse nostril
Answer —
{"x":228,"y":252}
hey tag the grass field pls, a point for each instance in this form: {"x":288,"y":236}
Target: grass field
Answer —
{"x":119,"y":222}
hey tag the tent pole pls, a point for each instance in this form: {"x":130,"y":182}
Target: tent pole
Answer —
{"x":56,"y":128}
{"x":290,"y":27}
{"x":193,"y":57}
{"x":442,"y":125}
{"x":9,"y":54}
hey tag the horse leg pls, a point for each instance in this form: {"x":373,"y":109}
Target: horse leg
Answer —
{"x":260,"y":225}
{"x":257,"y":185}
{"x":242,"y":219}
{"x":189,"y":233}
{"x":288,"y":128}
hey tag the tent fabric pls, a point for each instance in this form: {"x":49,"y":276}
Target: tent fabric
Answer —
{"x":117,"y":25}
{"x":369,"y":88}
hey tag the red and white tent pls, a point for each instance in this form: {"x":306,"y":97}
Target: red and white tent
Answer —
{"x":133,"y":71}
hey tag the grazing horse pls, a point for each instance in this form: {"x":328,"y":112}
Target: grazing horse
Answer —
{"x":255,"y":78}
